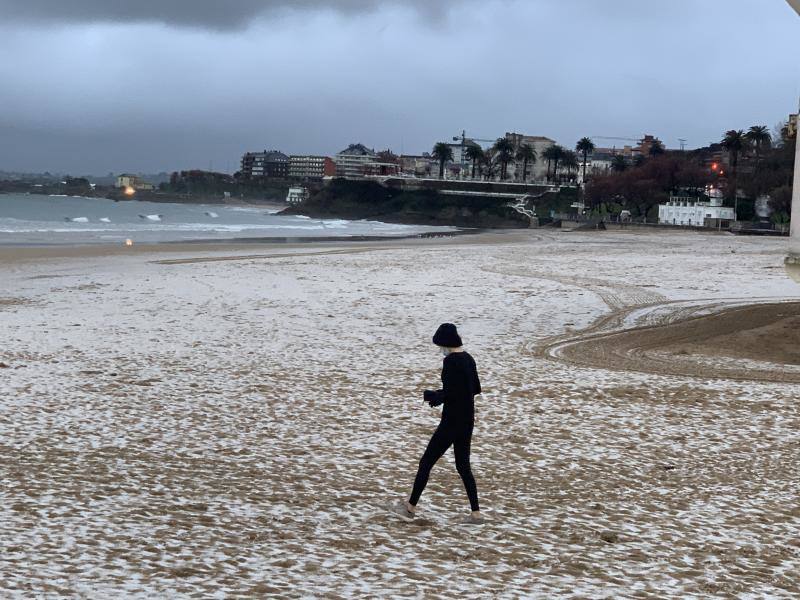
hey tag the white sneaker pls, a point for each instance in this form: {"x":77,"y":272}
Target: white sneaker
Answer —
{"x":399,"y":509}
{"x":473,"y":520}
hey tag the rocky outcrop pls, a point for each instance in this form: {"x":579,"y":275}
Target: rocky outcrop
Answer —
{"x":348,"y":199}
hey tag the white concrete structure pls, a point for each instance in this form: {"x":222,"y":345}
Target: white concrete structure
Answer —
{"x":297,"y":195}
{"x":688,"y":210}
{"x":794,"y":240}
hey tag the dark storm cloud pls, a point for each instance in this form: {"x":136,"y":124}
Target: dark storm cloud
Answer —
{"x":211,"y":14}
{"x":91,"y":86}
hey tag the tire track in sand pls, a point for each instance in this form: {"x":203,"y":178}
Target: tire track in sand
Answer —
{"x":660,"y":345}
{"x":644,"y":331}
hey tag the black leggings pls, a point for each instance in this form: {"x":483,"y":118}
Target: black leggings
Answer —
{"x":442,"y":439}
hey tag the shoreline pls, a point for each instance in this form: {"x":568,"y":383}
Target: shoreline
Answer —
{"x":10,"y":253}
{"x":173,"y":199}
{"x":238,"y":235}
{"x":15,"y":253}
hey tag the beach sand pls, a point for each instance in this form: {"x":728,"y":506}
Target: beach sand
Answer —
{"x":224,"y":419}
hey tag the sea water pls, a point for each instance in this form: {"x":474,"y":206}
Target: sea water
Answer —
{"x":39,"y":219}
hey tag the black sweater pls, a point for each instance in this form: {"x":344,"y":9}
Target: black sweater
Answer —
{"x":460,"y":384}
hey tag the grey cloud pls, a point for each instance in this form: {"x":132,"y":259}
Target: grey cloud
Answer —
{"x":99,"y":98}
{"x":208,"y":14}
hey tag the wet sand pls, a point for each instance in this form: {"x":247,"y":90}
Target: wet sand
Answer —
{"x":251,"y":246}
{"x":209,"y":420}
{"x":745,"y":342}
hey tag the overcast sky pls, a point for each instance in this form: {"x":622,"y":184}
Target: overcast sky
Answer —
{"x":92,"y":86}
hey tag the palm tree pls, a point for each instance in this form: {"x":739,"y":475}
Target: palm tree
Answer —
{"x":489,"y":163}
{"x":558,"y":154}
{"x":618,"y":163}
{"x":475,"y":154}
{"x":527,"y":155}
{"x":548,"y":156}
{"x":553,"y":154}
{"x":734,"y":142}
{"x":759,"y":137}
{"x":569,"y":161}
{"x":505,"y":154}
{"x":444,"y":154}
{"x":585,"y":146}
{"x":656,"y":148}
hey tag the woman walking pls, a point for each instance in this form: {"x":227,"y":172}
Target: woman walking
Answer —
{"x":460,"y":384}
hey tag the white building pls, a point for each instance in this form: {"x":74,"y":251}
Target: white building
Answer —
{"x":133,"y":182}
{"x":353,"y":160}
{"x":597,"y":163}
{"x":689,"y":210}
{"x":297,"y":195}
{"x":536,"y":171}
{"x":460,"y":155}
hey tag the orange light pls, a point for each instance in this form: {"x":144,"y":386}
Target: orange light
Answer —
{"x":714,"y":166}
{"x":129,"y":191}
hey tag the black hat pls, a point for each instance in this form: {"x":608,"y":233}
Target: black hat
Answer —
{"x":447,"y":336}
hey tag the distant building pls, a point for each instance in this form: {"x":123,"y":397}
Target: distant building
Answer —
{"x":717,"y":160}
{"x":538,"y":170}
{"x":134,"y":182}
{"x":690,"y":210}
{"x":197,"y":177}
{"x":646,"y":144}
{"x":628,"y":152}
{"x":353,"y":160}
{"x":597,"y":163}
{"x":417,"y":165}
{"x":460,"y":154}
{"x":258,"y":165}
{"x":297,"y":194}
{"x":382,"y":169}
{"x":311,"y":167}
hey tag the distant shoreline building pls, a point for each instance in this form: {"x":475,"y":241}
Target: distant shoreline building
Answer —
{"x":597,"y":163}
{"x":646,"y":145}
{"x":260,"y":165}
{"x":537,"y":170}
{"x":417,"y":165}
{"x":690,"y":210}
{"x":460,"y":154}
{"x":134,"y":182}
{"x":311,"y":167}
{"x":353,"y":161}
{"x":297,"y":195}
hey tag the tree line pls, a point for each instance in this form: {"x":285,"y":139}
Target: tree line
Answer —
{"x":754,"y":164}
{"x":493,"y":162}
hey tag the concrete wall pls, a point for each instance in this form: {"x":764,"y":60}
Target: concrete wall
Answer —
{"x":794,"y":240}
